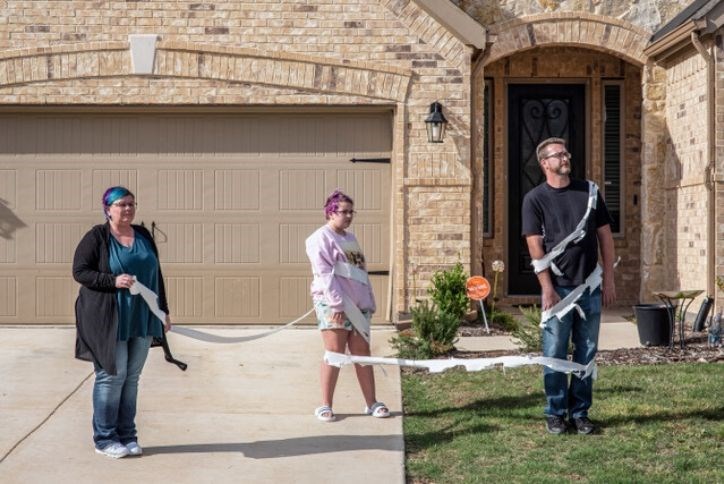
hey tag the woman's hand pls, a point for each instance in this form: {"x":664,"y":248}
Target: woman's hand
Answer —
{"x":167,"y":324}
{"x":339,"y":318}
{"x":124,"y":281}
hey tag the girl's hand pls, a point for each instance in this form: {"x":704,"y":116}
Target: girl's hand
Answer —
{"x":339,"y":318}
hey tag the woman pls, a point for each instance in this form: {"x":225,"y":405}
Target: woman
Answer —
{"x":115,"y":328}
{"x":343,"y":301}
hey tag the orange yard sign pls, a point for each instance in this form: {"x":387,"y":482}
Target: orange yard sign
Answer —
{"x":477,"y":287}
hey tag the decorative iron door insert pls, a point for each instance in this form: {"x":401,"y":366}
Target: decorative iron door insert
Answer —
{"x":537,"y":112}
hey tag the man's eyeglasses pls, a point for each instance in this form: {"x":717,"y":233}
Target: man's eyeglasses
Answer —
{"x":560,"y":155}
{"x":125,"y":205}
{"x":345,"y":212}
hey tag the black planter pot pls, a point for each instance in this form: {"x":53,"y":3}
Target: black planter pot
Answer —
{"x":654,"y":324}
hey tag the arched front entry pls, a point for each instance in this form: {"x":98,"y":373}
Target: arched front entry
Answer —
{"x":591,"y":98}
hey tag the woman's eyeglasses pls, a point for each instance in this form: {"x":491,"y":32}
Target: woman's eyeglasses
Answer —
{"x":125,"y":205}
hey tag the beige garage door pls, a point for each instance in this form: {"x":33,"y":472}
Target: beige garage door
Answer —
{"x":230,"y":199}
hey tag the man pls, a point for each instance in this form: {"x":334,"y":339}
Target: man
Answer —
{"x":564,"y":222}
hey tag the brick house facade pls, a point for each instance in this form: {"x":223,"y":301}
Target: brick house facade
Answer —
{"x":393,"y":57}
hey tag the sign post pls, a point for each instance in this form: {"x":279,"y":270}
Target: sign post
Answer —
{"x":478,"y":288}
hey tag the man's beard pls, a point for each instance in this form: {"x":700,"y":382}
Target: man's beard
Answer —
{"x":563,"y":170}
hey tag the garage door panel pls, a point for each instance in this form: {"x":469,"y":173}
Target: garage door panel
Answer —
{"x":184,"y":242}
{"x":237,"y":243}
{"x":102,"y":179}
{"x":55,"y":243}
{"x":8,"y":189}
{"x":55,"y":296}
{"x":236,"y":189}
{"x":8,"y":296}
{"x":180,"y":190}
{"x":8,"y":253}
{"x":237,"y":297}
{"x":292,"y":248}
{"x":294,"y":296}
{"x":232,"y":199}
{"x":370,"y":238}
{"x":186,"y":296}
{"x":58,"y":190}
{"x":301,"y":189}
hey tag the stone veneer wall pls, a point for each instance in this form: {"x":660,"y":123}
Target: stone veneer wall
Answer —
{"x":561,"y":64}
{"x":685,"y":174}
{"x":240,"y":53}
{"x":648,"y":14}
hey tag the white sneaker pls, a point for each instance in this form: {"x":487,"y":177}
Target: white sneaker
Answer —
{"x":115,"y":450}
{"x":134,"y":448}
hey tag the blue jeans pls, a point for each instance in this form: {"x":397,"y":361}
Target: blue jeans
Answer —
{"x":576,"y":399}
{"x":114,"y":396}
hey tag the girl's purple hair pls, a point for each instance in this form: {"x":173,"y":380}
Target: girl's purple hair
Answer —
{"x":113,"y":194}
{"x":333,"y":201}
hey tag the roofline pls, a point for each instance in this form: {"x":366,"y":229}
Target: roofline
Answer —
{"x":672,"y":40}
{"x":456,"y":21}
{"x":693,"y":11}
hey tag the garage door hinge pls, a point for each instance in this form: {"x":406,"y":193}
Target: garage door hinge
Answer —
{"x":371,"y":160}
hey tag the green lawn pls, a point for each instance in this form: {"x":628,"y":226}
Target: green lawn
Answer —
{"x":657,"y":423}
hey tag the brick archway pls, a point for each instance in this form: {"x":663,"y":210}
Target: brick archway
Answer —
{"x":606,"y":34}
{"x":202,"y":61}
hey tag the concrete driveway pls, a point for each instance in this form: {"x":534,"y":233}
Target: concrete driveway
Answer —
{"x":240,"y":413}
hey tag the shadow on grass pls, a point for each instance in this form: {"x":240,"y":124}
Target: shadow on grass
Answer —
{"x":530,"y":400}
{"x":714,"y":414}
{"x":420,"y":441}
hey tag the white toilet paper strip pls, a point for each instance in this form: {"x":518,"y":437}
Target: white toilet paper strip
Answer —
{"x":473,"y":364}
{"x":152,"y":300}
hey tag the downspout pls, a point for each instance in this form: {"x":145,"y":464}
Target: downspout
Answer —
{"x":710,"y":175}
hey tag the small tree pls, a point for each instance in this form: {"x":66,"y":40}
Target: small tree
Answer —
{"x":433,"y":333}
{"x":448,"y":291}
{"x":528,"y":335}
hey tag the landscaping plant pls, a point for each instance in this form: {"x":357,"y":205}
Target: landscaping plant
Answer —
{"x":448,"y":291}
{"x":527,"y":333}
{"x":433,"y":333}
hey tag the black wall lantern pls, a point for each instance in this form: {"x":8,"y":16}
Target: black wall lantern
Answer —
{"x":435,"y":123}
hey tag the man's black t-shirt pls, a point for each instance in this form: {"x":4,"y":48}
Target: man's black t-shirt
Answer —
{"x":554,"y":213}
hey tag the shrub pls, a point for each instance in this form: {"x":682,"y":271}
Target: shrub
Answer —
{"x":503,"y":320}
{"x":433,"y":333}
{"x":528,"y":335}
{"x":448,"y":291}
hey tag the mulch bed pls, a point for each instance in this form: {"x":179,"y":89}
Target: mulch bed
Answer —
{"x":696,"y":350}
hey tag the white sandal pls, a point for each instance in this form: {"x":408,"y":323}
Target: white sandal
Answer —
{"x":324,"y":414}
{"x":378,"y":410}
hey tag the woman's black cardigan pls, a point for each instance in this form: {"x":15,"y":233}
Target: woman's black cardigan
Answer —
{"x":96,"y":312}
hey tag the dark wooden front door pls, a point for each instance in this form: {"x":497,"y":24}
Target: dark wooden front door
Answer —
{"x":537,"y":112}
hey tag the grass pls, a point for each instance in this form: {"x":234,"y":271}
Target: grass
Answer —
{"x":657,"y":423}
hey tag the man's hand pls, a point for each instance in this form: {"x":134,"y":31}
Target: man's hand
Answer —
{"x":608,"y":289}
{"x":549,"y":298}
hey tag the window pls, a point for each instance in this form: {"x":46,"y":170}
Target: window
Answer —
{"x":613,"y":152}
{"x":487,"y":160}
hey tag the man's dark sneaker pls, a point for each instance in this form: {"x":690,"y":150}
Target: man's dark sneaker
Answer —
{"x":583,"y":425}
{"x":555,"y":424}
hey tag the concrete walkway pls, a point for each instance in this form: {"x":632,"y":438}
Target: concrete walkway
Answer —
{"x":240,"y":413}
{"x":616,"y":332}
